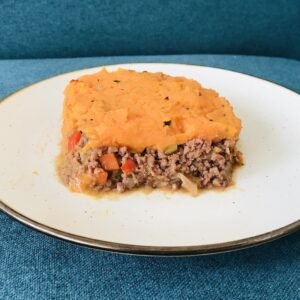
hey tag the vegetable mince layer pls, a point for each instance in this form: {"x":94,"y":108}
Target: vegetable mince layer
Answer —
{"x":126,"y":129}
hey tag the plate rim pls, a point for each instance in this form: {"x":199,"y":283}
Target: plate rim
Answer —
{"x":144,"y":249}
{"x":153,"y":250}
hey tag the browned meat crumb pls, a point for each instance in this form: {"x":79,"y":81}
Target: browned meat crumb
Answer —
{"x":205,"y":163}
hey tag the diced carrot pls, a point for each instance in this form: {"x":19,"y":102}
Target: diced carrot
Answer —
{"x":109,"y":162}
{"x":73,"y":140}
{"x":129,"y":166}
{"x":101,"y":177}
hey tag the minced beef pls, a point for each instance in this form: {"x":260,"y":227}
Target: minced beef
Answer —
{"x":208,"y":164}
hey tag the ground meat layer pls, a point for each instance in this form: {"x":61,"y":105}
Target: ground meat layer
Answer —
{"x":202,"y":163}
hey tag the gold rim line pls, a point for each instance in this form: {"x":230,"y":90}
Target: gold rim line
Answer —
{"x":151,"y":250}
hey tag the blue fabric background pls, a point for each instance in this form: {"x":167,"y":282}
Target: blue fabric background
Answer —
{"x":73,"y":28}
{"x":36,"y":266}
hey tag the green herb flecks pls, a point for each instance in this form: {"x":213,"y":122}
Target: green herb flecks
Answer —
{"x":167,"y":123}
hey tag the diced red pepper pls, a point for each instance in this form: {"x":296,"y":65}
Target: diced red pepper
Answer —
{"x":73,"y":140}
{"x":109,"y":162}
{"x":129,"y":166}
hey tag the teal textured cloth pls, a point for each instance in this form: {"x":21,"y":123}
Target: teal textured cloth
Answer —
{"x":72,"y":28}
{"x":36,"y":266}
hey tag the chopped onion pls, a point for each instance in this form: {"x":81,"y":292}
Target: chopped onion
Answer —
{"x":187,"y":184}
{"x":170,"y":149}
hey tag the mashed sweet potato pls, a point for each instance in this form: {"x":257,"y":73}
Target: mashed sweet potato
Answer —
{"x":145,"y":110}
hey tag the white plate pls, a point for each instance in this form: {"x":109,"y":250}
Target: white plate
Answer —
{"x":263,"y":205}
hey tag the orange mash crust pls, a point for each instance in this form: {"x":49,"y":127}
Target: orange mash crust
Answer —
{"x":143,"y":109}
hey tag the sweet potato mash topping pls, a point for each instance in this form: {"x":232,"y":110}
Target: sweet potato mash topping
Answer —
{"x":143,"y":109}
